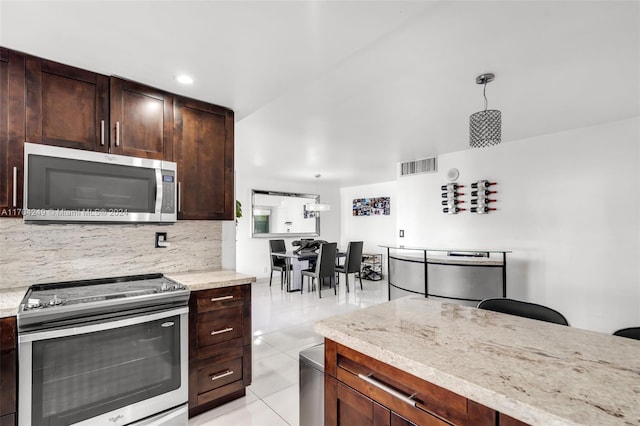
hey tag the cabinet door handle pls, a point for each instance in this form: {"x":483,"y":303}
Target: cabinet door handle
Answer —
{"x":117,"y":133}
{"x":404,"y":398}
{"x":217,"y":299}
{"x":224,"y":330}
{"x":15,"y":186}
{"x":220,"y":376}
{"x":102,"y":132}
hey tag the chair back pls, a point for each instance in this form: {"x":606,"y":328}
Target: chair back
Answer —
{"x":523,"y":309}
{"x":277,"y":246}
{"x":354,"y":257}
{"x":326,"y":263}
{"x":631,"y":333}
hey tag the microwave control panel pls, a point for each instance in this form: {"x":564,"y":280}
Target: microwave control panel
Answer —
{"x":168,"y":191}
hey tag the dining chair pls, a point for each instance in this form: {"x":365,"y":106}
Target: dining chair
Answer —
{"x":352,"y":263}
{"x":523,"y":309}
{"x":278,"y":263}
{"x":325,"y":268}
{"x":630,"y":332}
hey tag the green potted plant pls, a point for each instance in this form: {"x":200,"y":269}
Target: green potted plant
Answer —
{"x":238,"y":211}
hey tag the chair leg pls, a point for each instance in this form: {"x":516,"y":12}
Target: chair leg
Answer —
{"x":346,"y":280}
{"x":271,"y":278}
{"x":319,"y":287}
{"x":335,"y":286}
{"x":360,"y":278}
{"x":281,"y":280}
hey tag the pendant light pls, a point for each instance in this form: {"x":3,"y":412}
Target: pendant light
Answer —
{"x":485,"y":127}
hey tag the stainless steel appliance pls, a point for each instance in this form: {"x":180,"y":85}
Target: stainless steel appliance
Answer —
{"x":73,"y":185}
{"x":104,"y":352}
{"x":312,"y":386}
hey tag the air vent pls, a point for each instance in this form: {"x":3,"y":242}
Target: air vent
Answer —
{"x":428,"y":165}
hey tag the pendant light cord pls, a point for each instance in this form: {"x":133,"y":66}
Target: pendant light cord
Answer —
{"x":484,"y":93}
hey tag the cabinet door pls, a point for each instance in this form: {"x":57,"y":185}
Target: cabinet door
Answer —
{"x":66,"y":106}
{"x":345,"y":406}
{"x":11,"y":132}
{"x":141,"y":120}
{"x":204,"y":153}
{"x":8,"y":365}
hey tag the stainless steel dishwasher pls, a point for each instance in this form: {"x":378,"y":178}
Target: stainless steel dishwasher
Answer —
{"x":312,"y":386}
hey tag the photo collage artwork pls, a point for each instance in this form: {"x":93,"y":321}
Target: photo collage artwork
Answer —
{"x":372,"y":206}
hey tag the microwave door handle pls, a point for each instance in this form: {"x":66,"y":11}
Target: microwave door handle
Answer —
{"x":15,"y":187}
{"x":158,"y":208}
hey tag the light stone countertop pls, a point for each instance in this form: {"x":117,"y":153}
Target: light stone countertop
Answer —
{"x":10,"y":299}
{"x":537,"y":372}
{"x":205,"y":280}
{"x":200,"y":280}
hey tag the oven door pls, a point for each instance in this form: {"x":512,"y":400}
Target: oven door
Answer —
{"x":109,"y":373}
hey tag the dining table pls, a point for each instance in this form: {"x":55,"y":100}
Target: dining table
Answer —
{"x":296,"y":262}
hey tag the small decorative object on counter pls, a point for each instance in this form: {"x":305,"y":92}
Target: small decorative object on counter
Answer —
{"x":480,"y":197}
{"x":450,"y":196}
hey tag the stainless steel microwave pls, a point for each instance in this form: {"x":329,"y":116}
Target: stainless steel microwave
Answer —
{"x":72,"y":185}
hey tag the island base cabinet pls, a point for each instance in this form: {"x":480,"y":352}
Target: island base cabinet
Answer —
{"x":362,"y":390}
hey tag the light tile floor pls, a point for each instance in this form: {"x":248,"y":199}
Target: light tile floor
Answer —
{"x":282,"y":327}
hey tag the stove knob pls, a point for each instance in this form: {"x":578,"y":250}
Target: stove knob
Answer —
{"x":55,"y":300}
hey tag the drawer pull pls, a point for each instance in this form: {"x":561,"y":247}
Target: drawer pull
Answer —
{"x":220,"y":376}
{"x":369,"y":379}
{"x":217,"y":299}
{"x":224,"y":330}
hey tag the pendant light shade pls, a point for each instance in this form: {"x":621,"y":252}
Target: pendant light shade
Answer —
{"x":317,"y":207}
{"x":485,"y":127}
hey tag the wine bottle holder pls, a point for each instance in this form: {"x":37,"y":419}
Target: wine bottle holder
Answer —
{"x":482,"y":197}
{"x":450,"y":198}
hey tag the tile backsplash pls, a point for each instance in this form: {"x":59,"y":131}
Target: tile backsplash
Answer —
{"x":48,"y":253}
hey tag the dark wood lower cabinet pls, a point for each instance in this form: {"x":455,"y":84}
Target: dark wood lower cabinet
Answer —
{"x":8,"y":420}
{"x":219,"y":346}
{"x":8,"y":371}
{"x":364,"y":391}
{"x":346,"y":406}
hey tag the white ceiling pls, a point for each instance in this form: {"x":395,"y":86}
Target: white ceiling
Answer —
{"x":349,"y":88}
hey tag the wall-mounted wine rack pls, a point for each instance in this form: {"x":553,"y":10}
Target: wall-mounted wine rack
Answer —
{"x":450,"y":198}
{"x":483,"y":197}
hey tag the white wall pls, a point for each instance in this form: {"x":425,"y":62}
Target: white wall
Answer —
{"x":568,"y":209}
{"x":372,"y":230}
{"x":252,"y":254}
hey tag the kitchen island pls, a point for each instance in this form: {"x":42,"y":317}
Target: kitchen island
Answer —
{"x":476,"y":367}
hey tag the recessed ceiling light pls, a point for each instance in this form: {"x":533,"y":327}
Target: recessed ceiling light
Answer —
{"x":184,"y":79}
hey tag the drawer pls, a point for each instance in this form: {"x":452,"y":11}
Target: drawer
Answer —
{"x":219,"y":374}
{"x":219,"y":326}
{"x":218,"y":298}
{"x":371,"y":378}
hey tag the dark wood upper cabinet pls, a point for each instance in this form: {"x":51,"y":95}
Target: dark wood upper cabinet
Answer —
{"x":11,"y":132}
{"x":66,"y":106}
{"x":49,"y":103}
{"x":204,"y":153}
{"x":141,"y":120}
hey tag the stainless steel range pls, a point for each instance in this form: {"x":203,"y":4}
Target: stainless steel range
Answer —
{"x":109,"y":351}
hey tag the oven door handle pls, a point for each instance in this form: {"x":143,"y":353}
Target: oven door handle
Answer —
{"x":72,"y":331}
